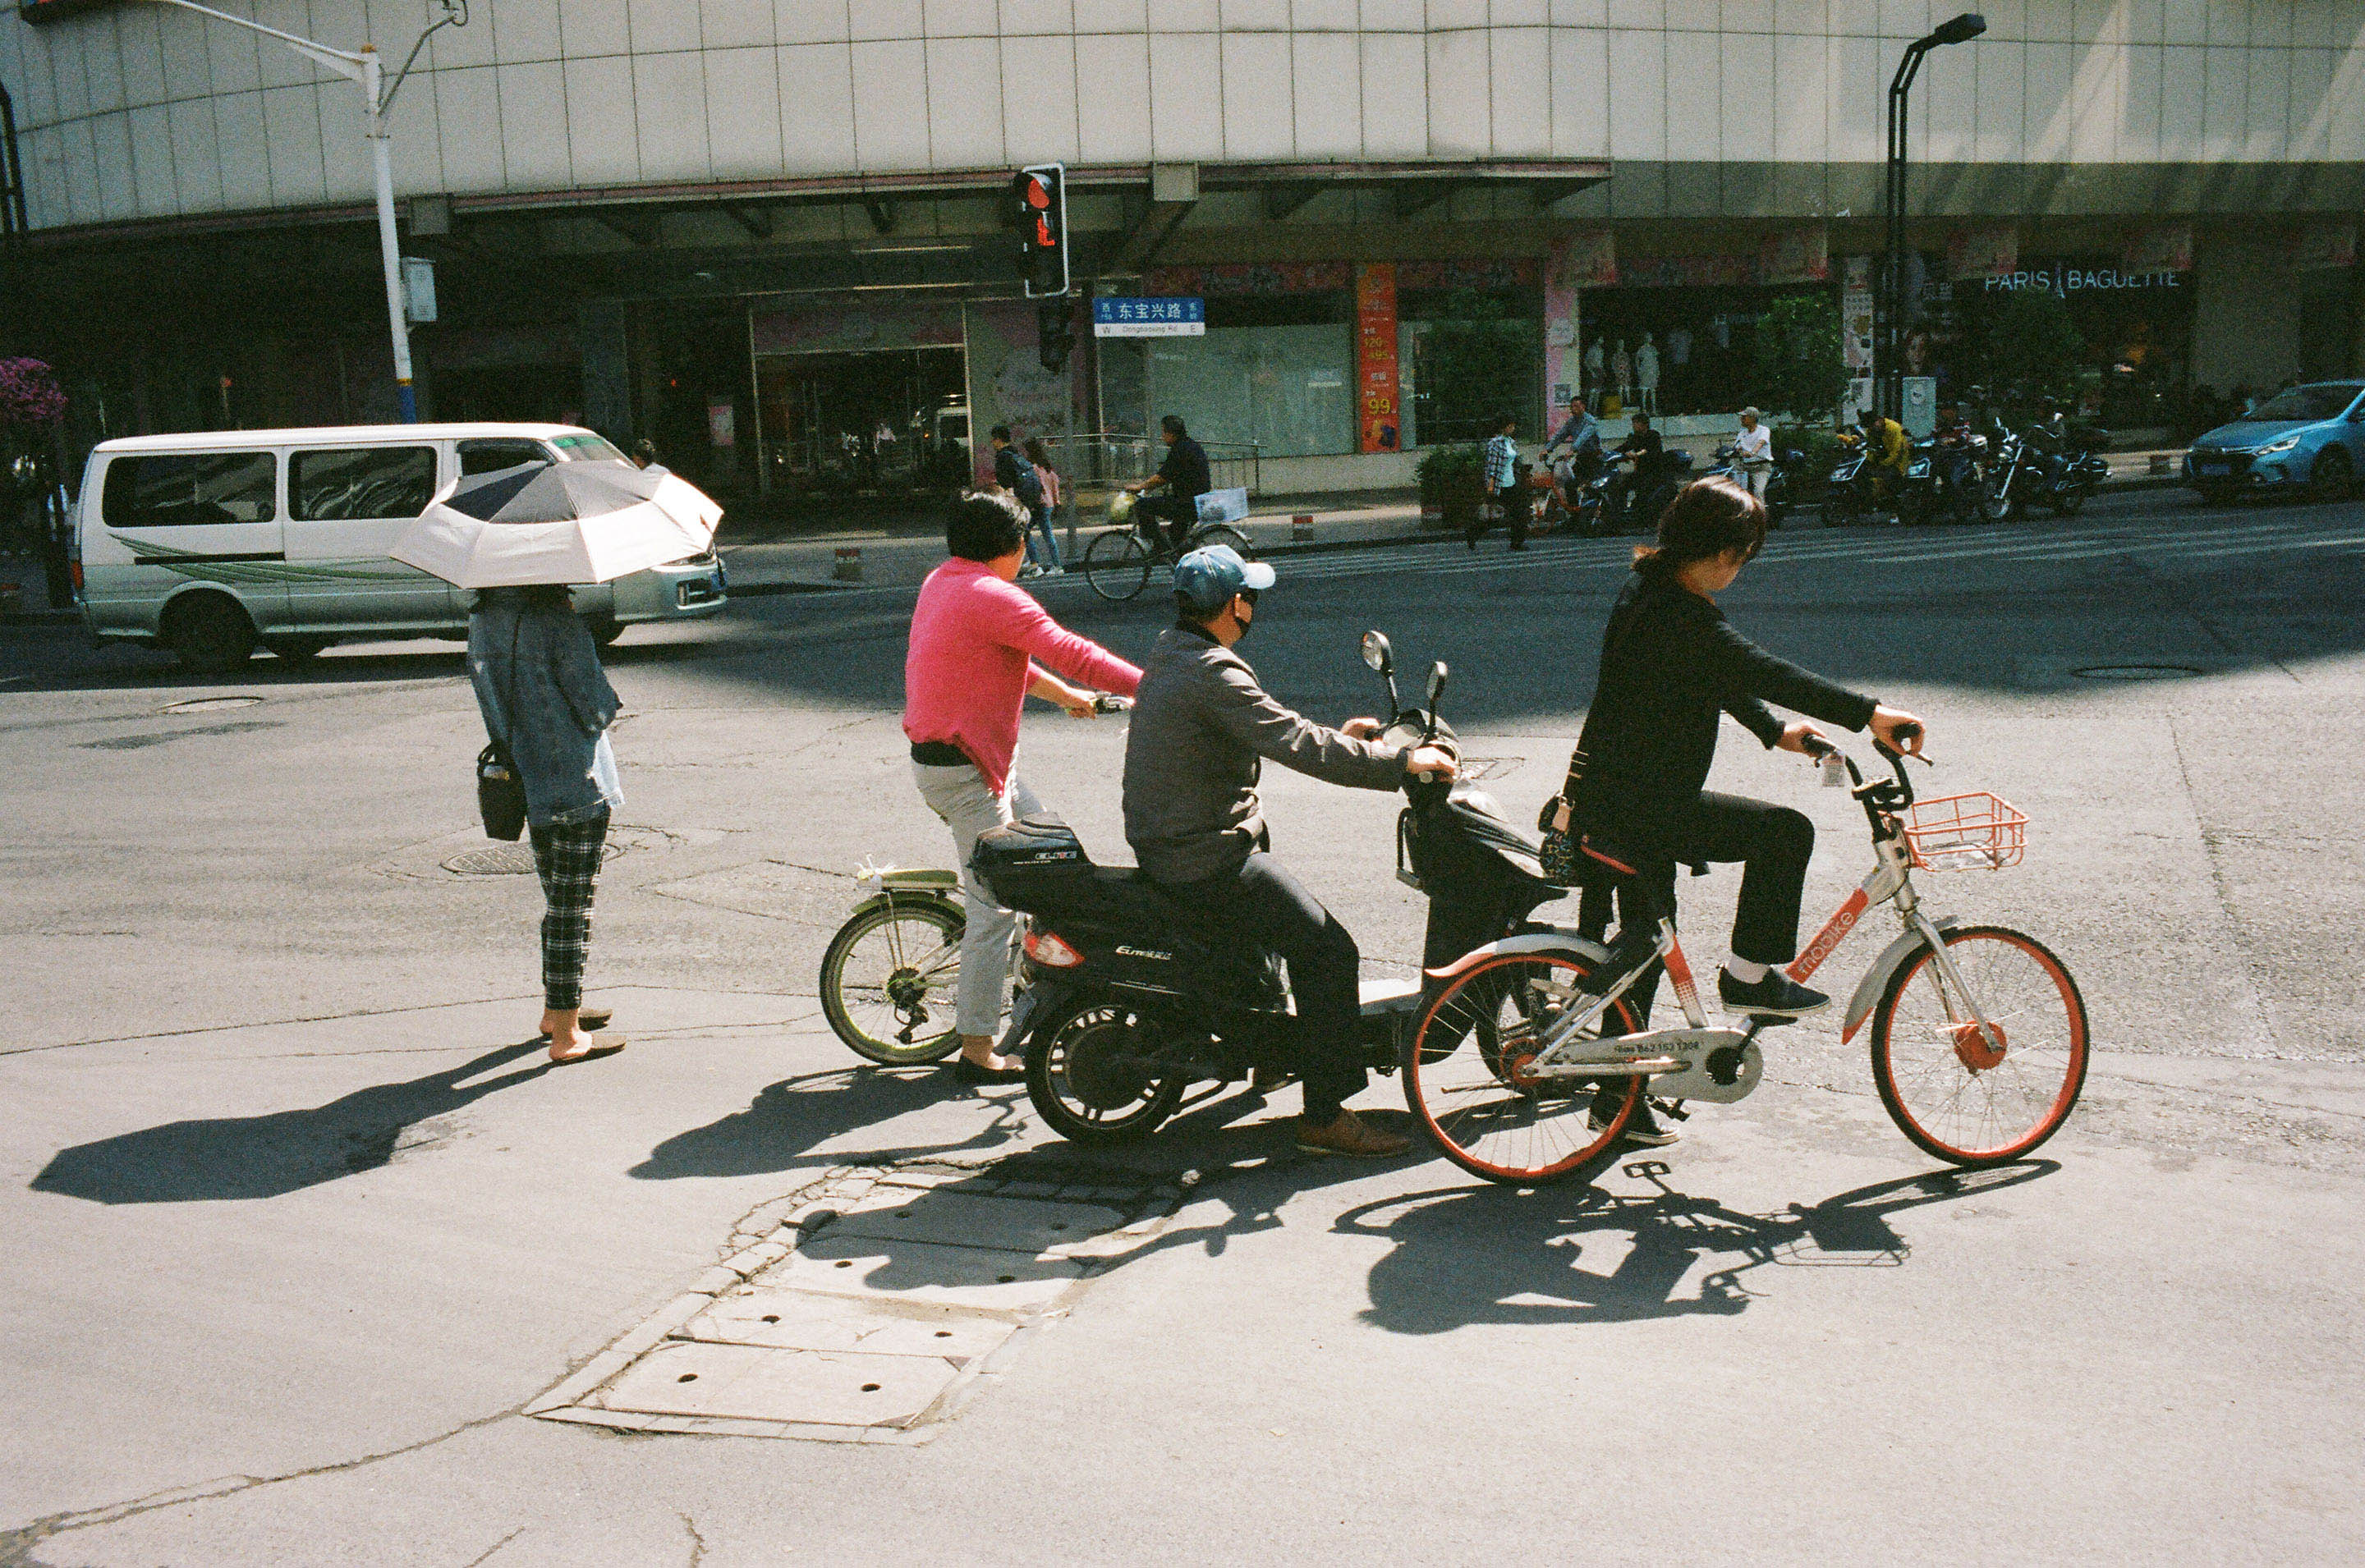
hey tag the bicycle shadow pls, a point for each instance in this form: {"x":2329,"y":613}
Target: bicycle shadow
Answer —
{"x":1463,"y":1256}
{"x":787,"y":1121}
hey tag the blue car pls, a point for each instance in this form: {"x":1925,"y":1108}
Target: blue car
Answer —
{"x":2309,"y":440}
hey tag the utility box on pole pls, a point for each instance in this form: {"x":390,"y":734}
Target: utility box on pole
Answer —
{"x":419,"y":289}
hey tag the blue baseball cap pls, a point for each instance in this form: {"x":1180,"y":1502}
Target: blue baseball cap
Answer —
{"x":1206,"y":579}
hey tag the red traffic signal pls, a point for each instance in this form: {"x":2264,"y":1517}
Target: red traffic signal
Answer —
{"x":1040,"y":209}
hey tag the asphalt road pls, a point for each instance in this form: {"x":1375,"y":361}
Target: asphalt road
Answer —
{"x":295,"y":1228}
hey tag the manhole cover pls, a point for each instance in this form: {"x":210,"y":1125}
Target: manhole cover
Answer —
{"x":210,"y":704}
{"x":2136,"y":672}
{"x":509,"y":860}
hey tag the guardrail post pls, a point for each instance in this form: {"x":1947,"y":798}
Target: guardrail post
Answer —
{"x":849,"y":563}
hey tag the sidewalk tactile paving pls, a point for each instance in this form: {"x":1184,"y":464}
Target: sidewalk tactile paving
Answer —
{"x":870,"y":1306}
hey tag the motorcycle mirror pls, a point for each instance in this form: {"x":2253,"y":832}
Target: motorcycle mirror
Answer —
{"x":1436,"y":684}
{"x":1378,"y":655}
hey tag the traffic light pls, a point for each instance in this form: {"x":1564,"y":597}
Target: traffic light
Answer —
{"x":1039,"y":200}
{"x":1055,"y":335}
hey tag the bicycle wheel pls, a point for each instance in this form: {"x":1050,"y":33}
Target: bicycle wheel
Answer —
{"x":1117,"y":564}
{"x":1973,"y":1096}
{"x":1479,"y":1104}
{"x":1223,"y":533}
{"x":887,"y":982}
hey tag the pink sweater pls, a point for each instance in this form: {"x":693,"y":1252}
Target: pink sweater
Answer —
{"x":965,"y":678}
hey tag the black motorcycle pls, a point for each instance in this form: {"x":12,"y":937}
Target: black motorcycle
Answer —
{"x":2042,"y":466}
{"x":1136,"y":997}
{"x":1635,"y":507}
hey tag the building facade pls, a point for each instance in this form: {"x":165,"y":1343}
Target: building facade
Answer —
{"x":770,"y":234}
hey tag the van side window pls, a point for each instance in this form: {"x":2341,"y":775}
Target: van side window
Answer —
{"x":349,"y":483}
{"x":586,"y":449}
{"x":486,"y":454}
{"x":190,"y":489}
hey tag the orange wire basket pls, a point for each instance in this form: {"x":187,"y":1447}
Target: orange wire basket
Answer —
{"x":1978,"y":831}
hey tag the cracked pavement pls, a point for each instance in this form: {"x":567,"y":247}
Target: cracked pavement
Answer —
{"x":298,"y":1226}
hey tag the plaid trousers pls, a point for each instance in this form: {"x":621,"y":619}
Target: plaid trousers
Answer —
{"x":566,"y":854}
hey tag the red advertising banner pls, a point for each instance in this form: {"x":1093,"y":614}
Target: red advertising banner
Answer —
{"x":1796,"y":255}
{"x":2163,"y":248}
{"x":1584,"y":258}
{"x":1378,"y":419}
{"x":1989,"y":251}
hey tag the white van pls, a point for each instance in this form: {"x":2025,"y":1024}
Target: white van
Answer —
{"x":211,"y":542}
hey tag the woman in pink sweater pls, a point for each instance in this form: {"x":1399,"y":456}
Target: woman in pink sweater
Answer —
{"x":979,"y":646}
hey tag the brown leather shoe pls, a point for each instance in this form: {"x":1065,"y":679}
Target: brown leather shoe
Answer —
{"x":1352,"y":1136}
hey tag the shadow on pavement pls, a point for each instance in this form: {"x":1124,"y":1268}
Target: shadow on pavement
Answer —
{"x":1463,"y":1256}
{"x":230,"y":1158}
{"x":789,"y":1119}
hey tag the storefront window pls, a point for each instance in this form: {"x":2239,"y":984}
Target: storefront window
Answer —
{"x":1703,"y":340}
{"x":1276,"y":370}
{"x":2134,"y":331}
{"x":1475,"y":355}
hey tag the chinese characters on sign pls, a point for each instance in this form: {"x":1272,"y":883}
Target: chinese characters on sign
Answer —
{"x":1377,"y":419}
{"x":1161,"y":317}
{"x":1855,"y":327}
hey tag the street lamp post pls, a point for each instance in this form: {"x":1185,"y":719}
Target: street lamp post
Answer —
{"x":363,"y":68}
{"x":1892,"y":396}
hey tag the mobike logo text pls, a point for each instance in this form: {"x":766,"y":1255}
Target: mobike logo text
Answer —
{"x":1830,"y":937}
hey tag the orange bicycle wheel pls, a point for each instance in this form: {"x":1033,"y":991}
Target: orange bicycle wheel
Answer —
{"x":1975,"y":1095}
{"x":1465,"y":1073}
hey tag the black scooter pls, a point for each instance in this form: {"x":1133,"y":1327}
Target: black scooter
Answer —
{"x":1136,"y":997}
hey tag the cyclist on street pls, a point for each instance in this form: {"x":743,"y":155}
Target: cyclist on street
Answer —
{"x":1201,"y":727}
{"x":1578,"y":441}
{"x":979,"y":646}
{"x":1184,"y":474}
{"x":1671,"y":665}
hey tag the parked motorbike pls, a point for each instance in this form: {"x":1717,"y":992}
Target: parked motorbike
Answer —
{"x":1139,"y":997}
{"x":2042,"y":467}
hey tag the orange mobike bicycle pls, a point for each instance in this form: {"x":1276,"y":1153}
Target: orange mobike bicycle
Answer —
{"x":1979,"y":1035}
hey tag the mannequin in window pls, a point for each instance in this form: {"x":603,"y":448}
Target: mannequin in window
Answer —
{"x":1621,"y":365}
{"x":1594,"y":369}
{"x":1646,"y":373}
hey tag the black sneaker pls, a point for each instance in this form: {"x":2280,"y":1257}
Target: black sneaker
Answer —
{"x":1643,"y":1129}
{"x":1775,"y":996}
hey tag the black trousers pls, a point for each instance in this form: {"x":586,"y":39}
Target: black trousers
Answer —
{"x":1513,"y":500}
{"x":1266,"y":905}
{"x":1774,"y":845}
{"x":1178,"y":513}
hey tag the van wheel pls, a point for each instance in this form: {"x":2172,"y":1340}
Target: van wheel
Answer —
{"x":296,"y":650}
{"x":605,"y":632}
{"x":210,"y":633}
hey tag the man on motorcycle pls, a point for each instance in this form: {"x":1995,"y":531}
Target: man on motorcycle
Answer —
{"x":1885,"y":451}
{"x":1201,"y":727}
{"x":1646,"y":451}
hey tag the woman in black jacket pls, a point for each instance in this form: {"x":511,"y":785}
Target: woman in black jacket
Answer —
{"x":1670,"y":664}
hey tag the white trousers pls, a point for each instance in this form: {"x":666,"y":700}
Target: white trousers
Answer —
{"x":959,"y":796}
{"x":1754,"y":474}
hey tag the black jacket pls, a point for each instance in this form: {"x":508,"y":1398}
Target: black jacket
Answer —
{"x":1185,"y":470}
{"x":1670,"y":663}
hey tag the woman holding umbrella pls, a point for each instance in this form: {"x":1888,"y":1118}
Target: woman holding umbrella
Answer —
{"x":547,"y":705}
{"x":516,"y":536}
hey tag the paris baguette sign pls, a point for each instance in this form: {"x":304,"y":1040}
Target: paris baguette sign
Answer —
{"x":2066,"y":280}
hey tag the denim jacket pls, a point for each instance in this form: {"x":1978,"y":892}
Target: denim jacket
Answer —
{"x":545,"y":699}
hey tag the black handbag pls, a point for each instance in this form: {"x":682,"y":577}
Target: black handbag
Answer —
{"x":500,"y":795}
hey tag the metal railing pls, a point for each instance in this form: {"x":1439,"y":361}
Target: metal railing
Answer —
{"x":1092,"y":464}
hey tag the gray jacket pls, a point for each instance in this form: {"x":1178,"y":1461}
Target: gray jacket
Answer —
{"x":545,"y":699}
{"x":1201,"y":727}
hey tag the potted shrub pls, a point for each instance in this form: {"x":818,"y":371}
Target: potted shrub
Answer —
{"x":1451,"y":487}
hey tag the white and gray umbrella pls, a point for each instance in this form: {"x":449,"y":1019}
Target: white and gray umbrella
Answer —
{"x":558,"y":522}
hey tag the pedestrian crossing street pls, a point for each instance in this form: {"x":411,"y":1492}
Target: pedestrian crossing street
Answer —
{"x":2298,"y":533}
